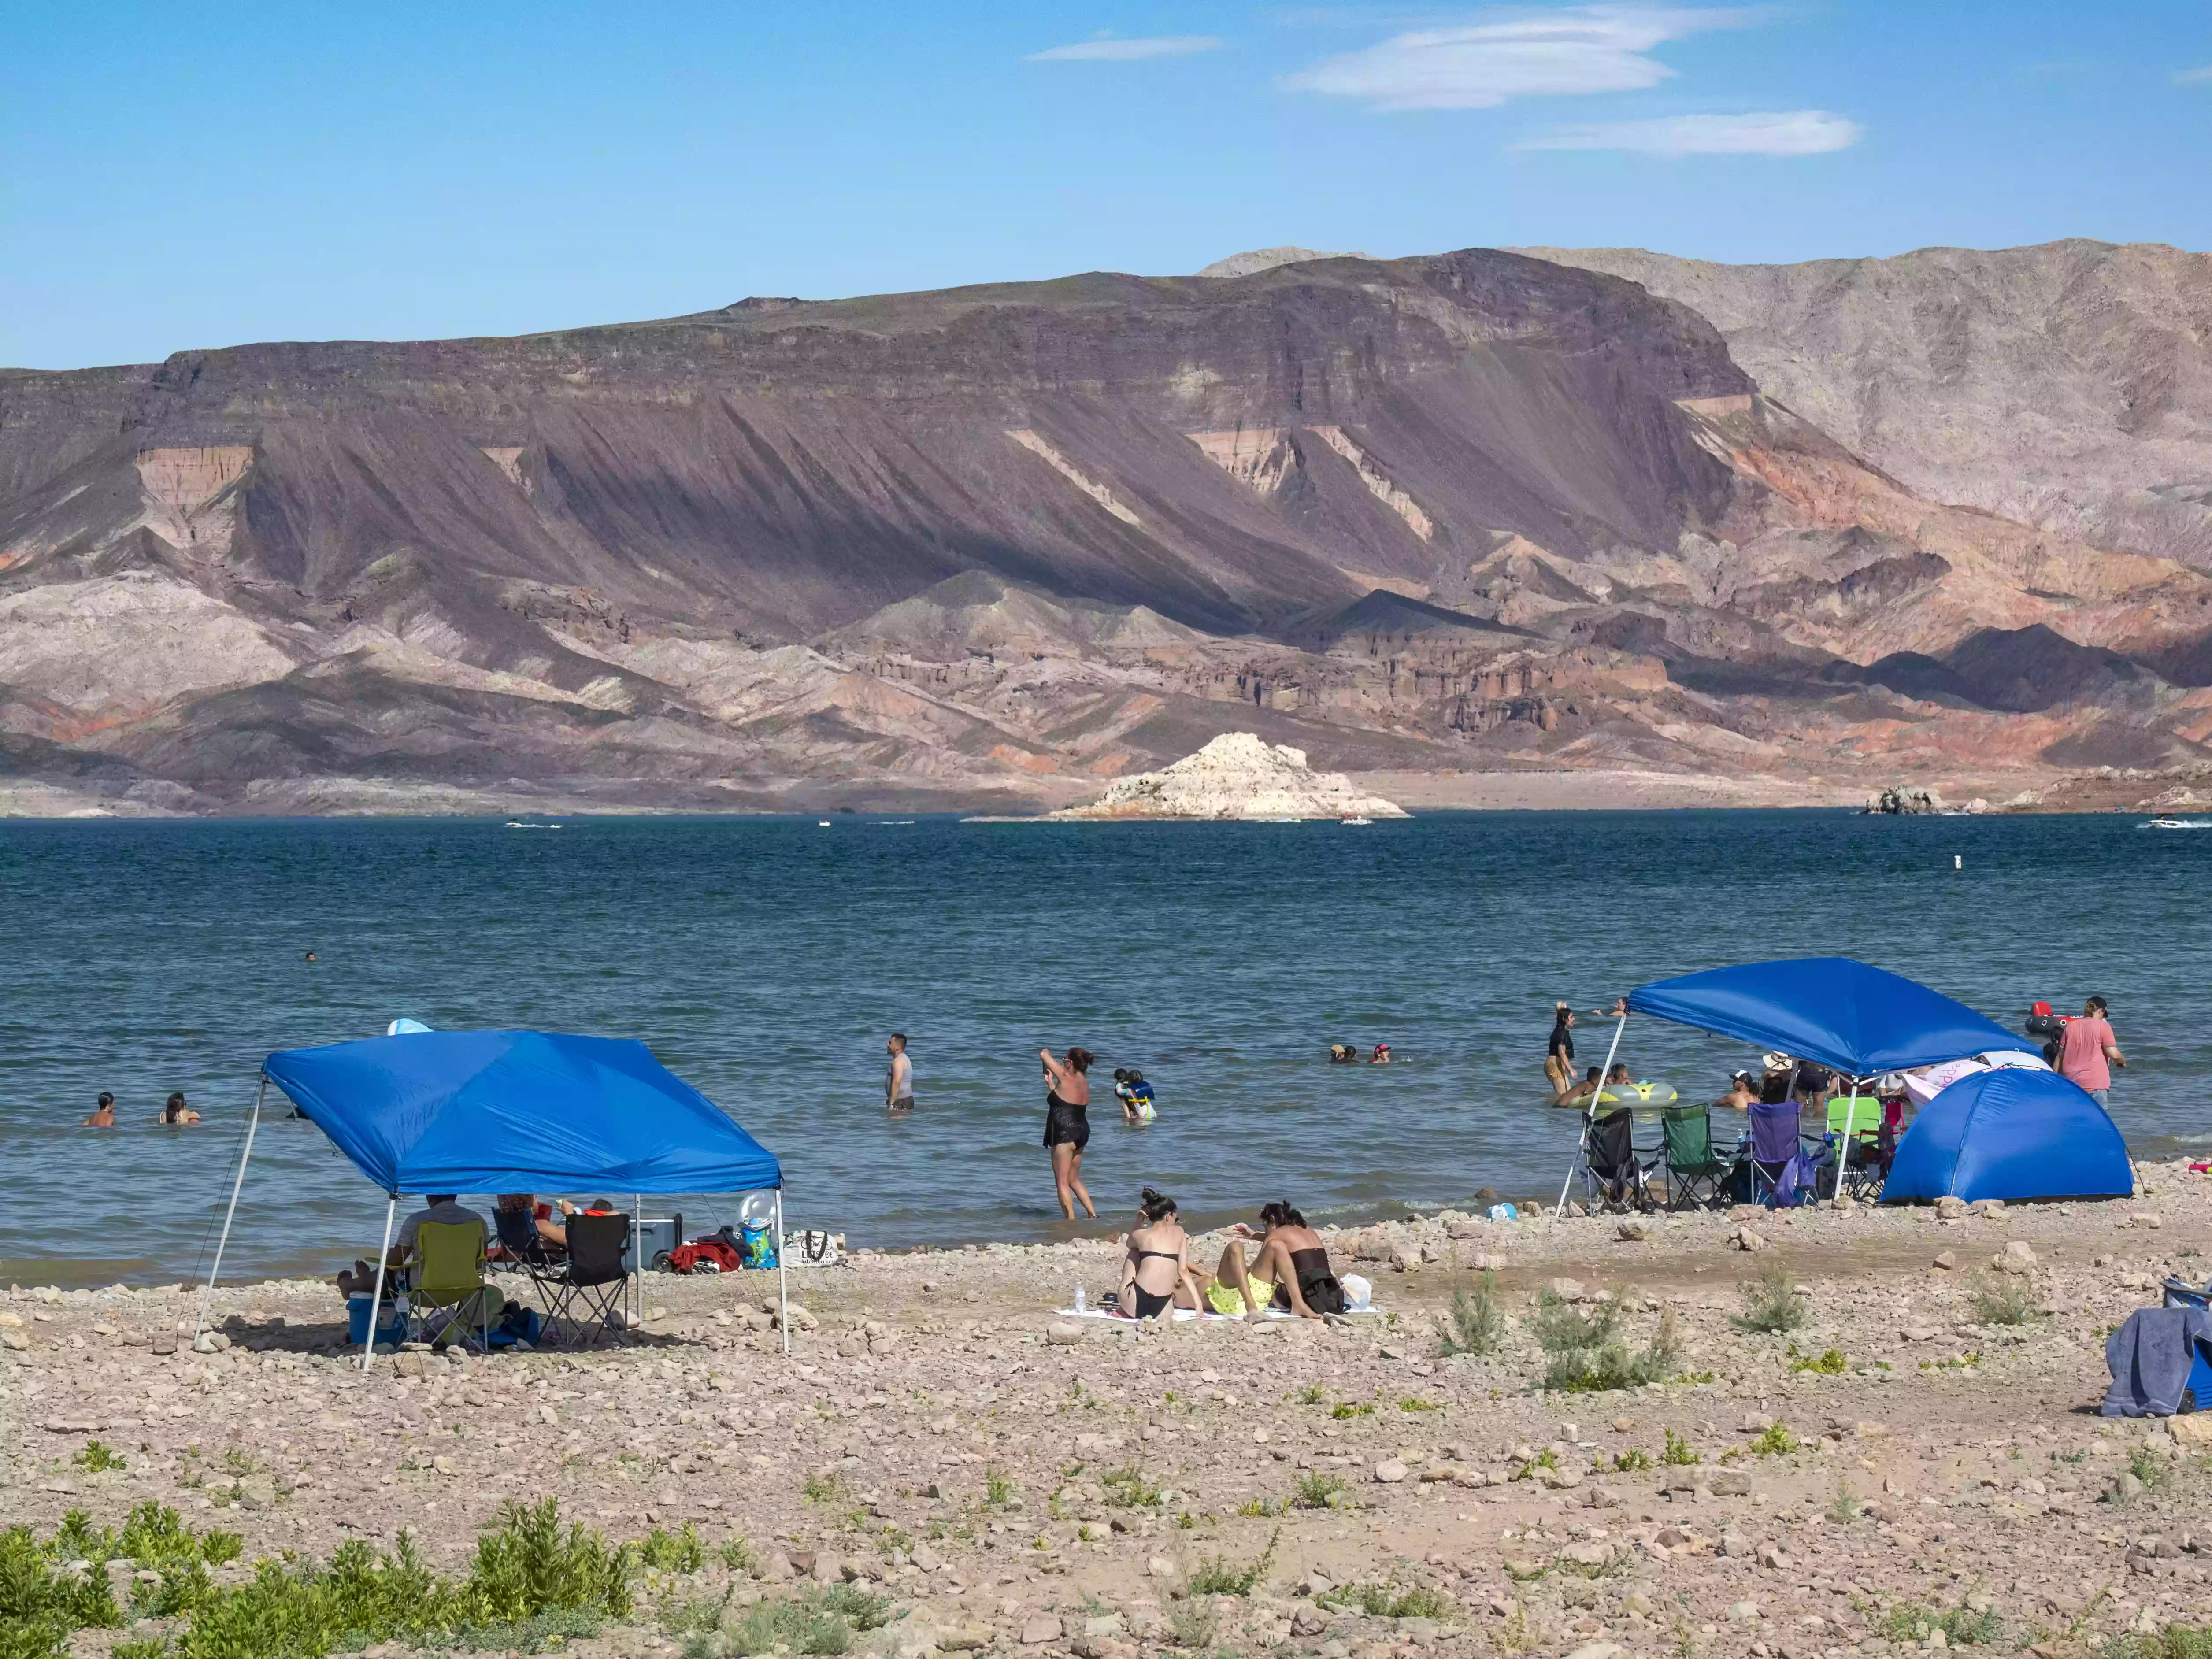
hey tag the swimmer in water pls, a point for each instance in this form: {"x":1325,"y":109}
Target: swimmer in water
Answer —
{"x":103,"y":1113}
{"x":1581,"y":1092}
{"x":175,"y":1111}
{"x":1380,"y":1057}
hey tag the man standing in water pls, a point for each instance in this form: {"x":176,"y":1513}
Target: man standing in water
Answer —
{"x":898,"y":1080}
{"x":2087,"y":1050}
{"x":103,"y":1114}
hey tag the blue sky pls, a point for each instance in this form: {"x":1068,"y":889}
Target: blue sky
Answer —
{"x":174,"y":177}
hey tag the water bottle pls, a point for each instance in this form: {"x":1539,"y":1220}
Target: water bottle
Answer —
{"x":1080,"y":1306}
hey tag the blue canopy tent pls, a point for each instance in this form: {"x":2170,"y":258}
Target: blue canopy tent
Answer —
{"x":1859,"y":1020}
{"x":2011,"y":1134}
{"x":490,"y":1111}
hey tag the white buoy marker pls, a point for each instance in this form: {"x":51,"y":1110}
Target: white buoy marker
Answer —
{"x":1957,"y":862}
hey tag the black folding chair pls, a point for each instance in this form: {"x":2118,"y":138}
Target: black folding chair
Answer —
{"x":1615,"y":1176}
{"x":593,"y":1280}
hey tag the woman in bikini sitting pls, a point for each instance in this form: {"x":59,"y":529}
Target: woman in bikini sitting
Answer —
{"x":1290,"y":1271}
{"x":1158,"y":1272}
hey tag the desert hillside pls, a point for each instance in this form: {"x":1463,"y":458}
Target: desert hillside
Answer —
{"x":1474,"y":513}
{"x":2069,"y":386}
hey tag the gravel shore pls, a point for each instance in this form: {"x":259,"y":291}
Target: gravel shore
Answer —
{"x":1917,"y":1463}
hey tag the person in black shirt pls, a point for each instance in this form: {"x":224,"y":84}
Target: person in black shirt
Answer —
{"x":1560,"y":1055}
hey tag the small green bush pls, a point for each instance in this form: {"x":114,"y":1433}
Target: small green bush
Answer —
{"x":1317,"y":1491}
{"x":1634,"y":1461}
{"x":1678,"y":1454}
{"x":1829,"y":1362}
{"x":1478,"y":1323}
{"x":1996,"y":1303}
{"x":1127,"y":1488}
{"x":1776,"y":1441}
{"x":1388,"y":1601}
{"x":97,"y":1458}
{"x":1215,"y":1577}
{"x":1346,"y":1410}
{"x":1770,"y":1303}
{"x":673,"y":1552}
{"x":1586,"y":1356}
{"x":1914,"y":1621}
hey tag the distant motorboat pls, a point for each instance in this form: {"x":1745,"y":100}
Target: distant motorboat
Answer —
{"x":824,"y":824}
{"x":1355,"y":820}
{"x":2165,"y":821}
{"x":519,"y":823}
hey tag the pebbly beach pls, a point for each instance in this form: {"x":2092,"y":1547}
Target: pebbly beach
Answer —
{"x":1837,"y":1430}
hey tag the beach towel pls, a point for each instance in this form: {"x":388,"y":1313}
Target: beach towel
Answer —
{"x":2159,"y":1364}
{"x":1181,"y":1314}
{"x":713,"y":1254}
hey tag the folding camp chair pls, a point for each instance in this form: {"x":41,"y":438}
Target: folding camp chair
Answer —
{"x":1693,"y":1174}
{"x":449,"y":1285}
{"x":1774,"y":1142}
{"x":1614,"y":1173}
{"x":525,"y":1249}
{"x":594,"y":1278}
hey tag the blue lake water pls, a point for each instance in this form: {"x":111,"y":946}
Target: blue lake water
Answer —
{"x":765,"y":959}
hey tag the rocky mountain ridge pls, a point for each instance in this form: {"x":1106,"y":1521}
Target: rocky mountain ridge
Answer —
{"x":986,"y":548}
{"x":2068,"y":387}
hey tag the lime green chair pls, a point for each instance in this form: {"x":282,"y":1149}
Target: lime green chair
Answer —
{"x":449,"y":1263}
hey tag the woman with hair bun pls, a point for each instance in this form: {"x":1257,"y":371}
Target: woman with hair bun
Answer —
{"x":1290,"y":1272}
{"x":1156,"y":1274}
{"x":1067,"y":1126}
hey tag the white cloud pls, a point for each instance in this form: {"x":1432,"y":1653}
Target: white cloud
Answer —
{"x":1767,"y":132}
{"x":2195,"y":76}
{"x":1576,"y":49}
{"x":1106,"y":49}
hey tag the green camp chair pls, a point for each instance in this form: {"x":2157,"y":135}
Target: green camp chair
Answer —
{"x":449,"y":1258}
{"x":1693,"y":1174}
{"x":1855,"y":1132}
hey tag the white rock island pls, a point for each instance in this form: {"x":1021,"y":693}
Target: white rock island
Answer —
{"x":1237,"y":775}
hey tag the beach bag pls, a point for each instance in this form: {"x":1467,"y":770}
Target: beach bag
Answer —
{"x":757,"y":1245}
{"x":519,"y":1325}
{"x":816,"y":1250}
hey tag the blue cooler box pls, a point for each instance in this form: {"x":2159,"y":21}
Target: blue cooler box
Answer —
{"x":392,"y":1330}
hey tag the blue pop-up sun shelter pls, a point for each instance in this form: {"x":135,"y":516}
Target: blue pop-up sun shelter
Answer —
{"x":1860,"y":1020}
{"x":502,"y":1111}
{"x":2010,"y":1134}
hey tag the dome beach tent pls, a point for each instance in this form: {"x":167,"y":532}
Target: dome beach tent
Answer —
{"x":502,"y":1111}
{"x":1857,"y":1019}
{"x":2011,"y":1134}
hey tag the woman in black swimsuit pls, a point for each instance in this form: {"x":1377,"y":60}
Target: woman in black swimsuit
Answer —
{"x":1067,"y":1126}
{"x":1292,"y":1257}
{"x":1158,"y":1237}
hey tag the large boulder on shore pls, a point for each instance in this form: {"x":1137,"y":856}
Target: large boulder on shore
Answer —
{"x":1237,"y":775}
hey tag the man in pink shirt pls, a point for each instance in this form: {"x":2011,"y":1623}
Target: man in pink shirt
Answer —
{"x":2086,"y":1045}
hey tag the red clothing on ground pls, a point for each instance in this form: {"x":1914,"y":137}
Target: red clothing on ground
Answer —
{"x":2082,"y":1052}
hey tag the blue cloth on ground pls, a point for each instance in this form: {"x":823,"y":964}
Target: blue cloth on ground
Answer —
{"x":1861,"y":1020}
{"x":2159,"y":1364}
{"x":2010,"y":1134}
{"x":514,"y":1111}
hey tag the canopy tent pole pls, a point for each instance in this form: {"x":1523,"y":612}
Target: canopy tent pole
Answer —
{"x":782,"y":1291}
{"x":376,"y":1300}
{"x":1590,"y":1115}
{"x":1844,"y":1151}
{"x":213,"y":1272}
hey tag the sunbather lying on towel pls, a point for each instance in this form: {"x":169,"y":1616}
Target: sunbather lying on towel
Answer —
{"x":1290,"y":1272}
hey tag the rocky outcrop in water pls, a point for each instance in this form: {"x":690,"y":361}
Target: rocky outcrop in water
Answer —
{"x":1904,"y":800}
{"x":1237,"y":775}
